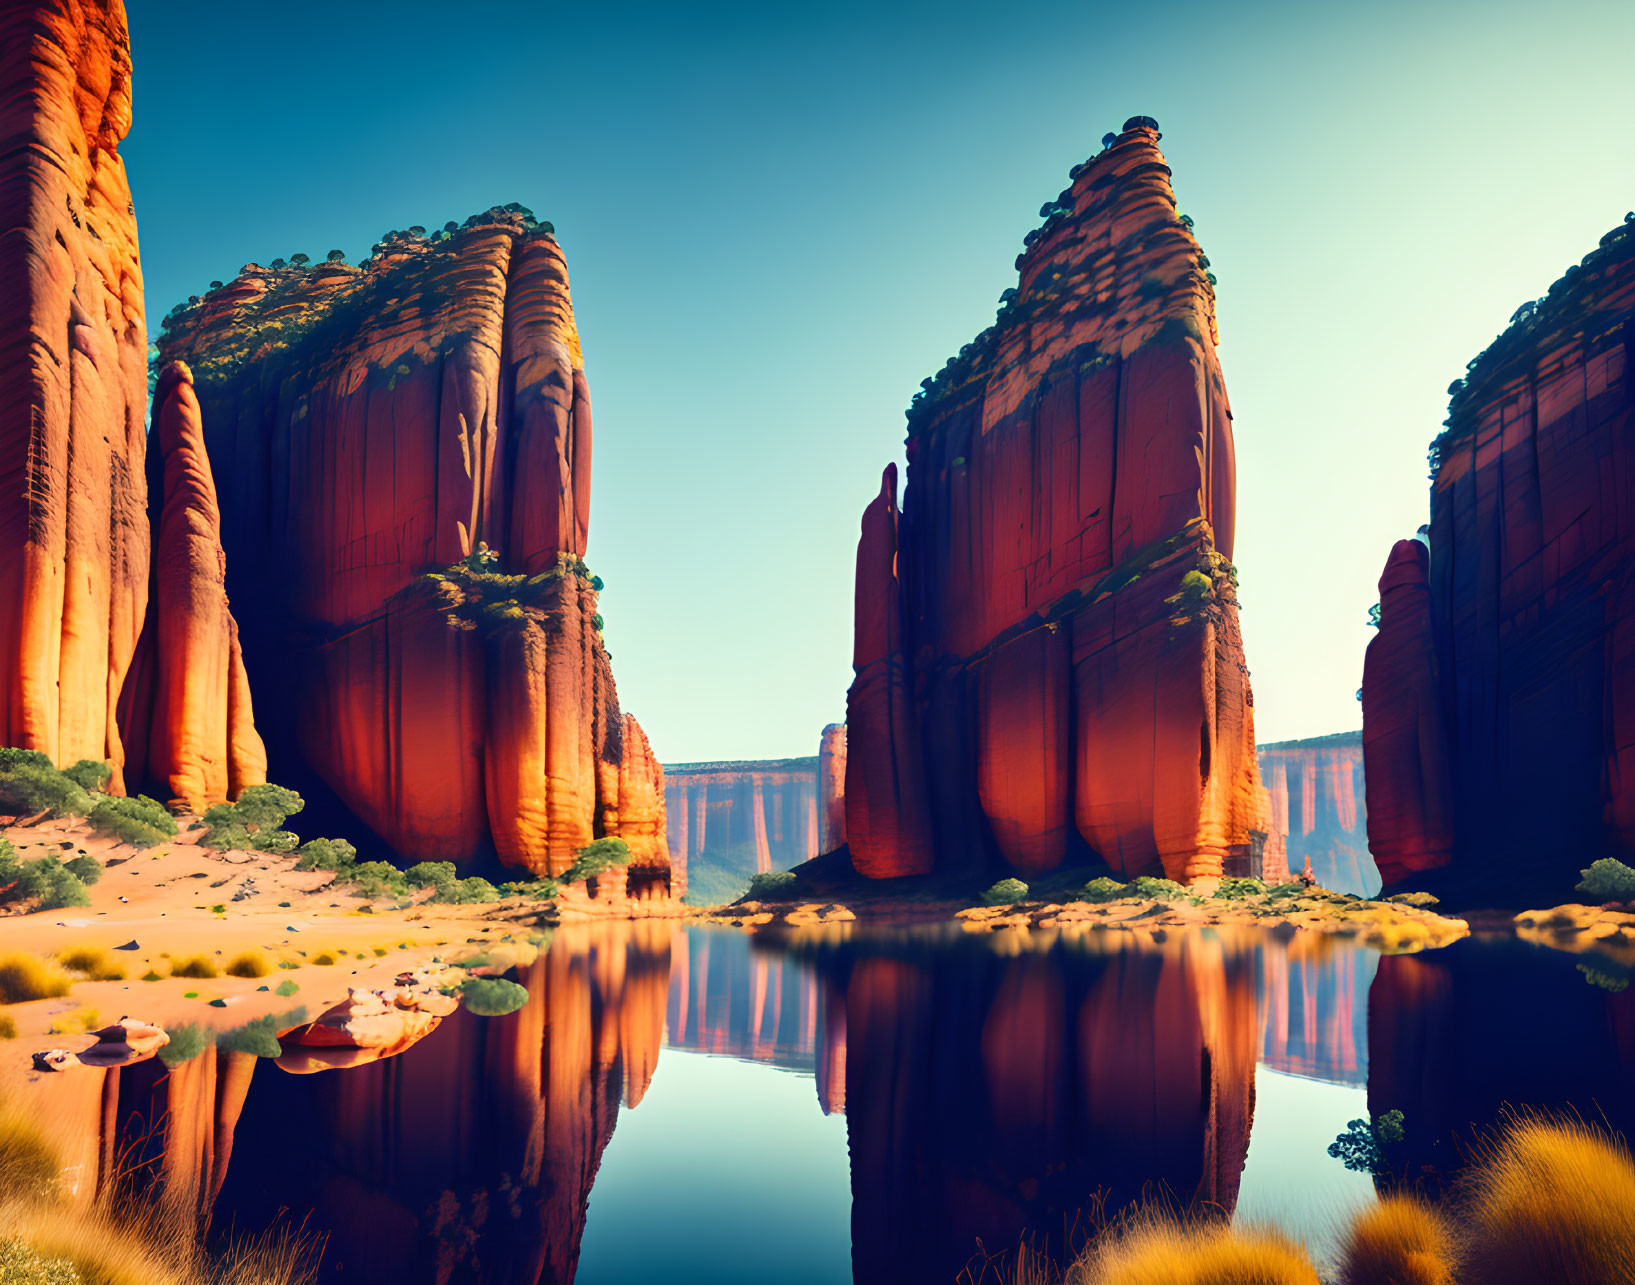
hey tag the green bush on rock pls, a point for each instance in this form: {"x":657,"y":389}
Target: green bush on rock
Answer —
{"x":1007,"y":892}
{"x":492,"y":996}
{"x":1237,"y":889}
{"x":1103,"y":889}
{"x":1608,"y":880}
{"x":44,"y":880}
{"x":141,"y":822}
{"x":595,"y":858}
{"x":1156,"y":889}
{"x":771,"y":885}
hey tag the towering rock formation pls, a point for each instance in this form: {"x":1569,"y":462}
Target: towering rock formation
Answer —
{"x":1317,"y":792}
{"x":73,"y":381}
{"x":729,"y":821}
{"x":186,"y":709}
{"x":1047,"y":650}
{"x":831,"y":802}
{"x":1499,"y":696}
{"x":405,"y":452}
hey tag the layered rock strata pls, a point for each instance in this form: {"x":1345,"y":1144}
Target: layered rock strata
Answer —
{"x":1318,"y":805}
{"x":73,"y":381}
{"x":831,"y":802}
{"x":1047,"y":655}
{"x":743,"y":818}
{"x":1499,"y":696}
{"x":405,"y":451}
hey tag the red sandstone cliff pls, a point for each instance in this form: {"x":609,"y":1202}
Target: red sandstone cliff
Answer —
{"x":1498,"y":699}
{"x":1317,"y":793}
{"x":737,"y":819}
{"x":831,"y":801}
{"x":186,"y":712}
{"x":73,"y":381}
{"x":1047,"y":651}
{"x":404,"y":453}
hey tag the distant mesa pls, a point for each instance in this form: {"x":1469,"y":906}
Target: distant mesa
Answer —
{"x":1319,"y":806}
{"x":1499,"y":695}
{"x":1047,"y":656}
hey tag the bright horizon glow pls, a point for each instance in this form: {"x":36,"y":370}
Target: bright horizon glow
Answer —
{"x":779,"y":220}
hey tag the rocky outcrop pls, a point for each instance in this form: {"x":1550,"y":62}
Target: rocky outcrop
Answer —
{"x":73,"y":381}
{"x":404,"y":449}
{"x":831,"y":787}
{"x":737,"y":819}
{"x":1498,"y":698}
{"x":186,"y":709}
{"x":1048,"y":663}
{"x":1317,"y":792}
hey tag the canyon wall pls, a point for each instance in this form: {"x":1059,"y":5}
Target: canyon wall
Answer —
{"x":729,"y":821}
{"x":1499,"y":695}
{"x":1047,"y":655}
{"x":404,"y":452}
{"x":73,"y":382}
{"x":1318,"y":805}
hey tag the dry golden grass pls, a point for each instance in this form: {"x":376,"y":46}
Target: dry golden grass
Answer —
{"x":25,"y":977}
{"x":194,"y":966}
{"x":8,"y":1027}
{"x":94,"y":961}
{"x":250,"y":963}
{"x":28,"y":1161}
{"x":1551,"y":1201}
{"x":1398,"y":1241}
{"x":1158,"y":1251}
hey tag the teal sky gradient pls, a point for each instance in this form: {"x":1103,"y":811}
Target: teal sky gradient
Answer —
{"x":779,"y":219}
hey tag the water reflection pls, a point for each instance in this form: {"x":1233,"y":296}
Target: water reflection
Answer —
{"x":991,"y":1089}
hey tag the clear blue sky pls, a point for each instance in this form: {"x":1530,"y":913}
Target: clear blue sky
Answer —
{"x":780,"y":218}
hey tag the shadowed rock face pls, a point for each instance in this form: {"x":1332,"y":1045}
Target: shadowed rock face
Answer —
{"x":404,"y":450}
{"x":1317,"y":792}
{"x":73,"y":382}
{"x":1498,"y":698}
{"x":832,"y":788}
{"x":988,"y":1097}
{"x":1047,"y":652}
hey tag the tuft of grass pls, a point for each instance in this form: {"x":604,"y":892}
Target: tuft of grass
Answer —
{"x":8,"y":1027}
{"x":1551,"y":1200}
{"x":1398,"y":1241}
{"x":24,"y":977}
{"x":194,"y":966}
{"x":151,"y":976}
{"x":249,"y":963}
{"x":1159,"y":1251}
{"x":186,"y":1043}
{"x":95,"y":962}
{"x":28,"y":1162}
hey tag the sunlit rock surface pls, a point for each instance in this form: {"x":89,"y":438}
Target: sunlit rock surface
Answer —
{"x":403,"y":452}
{"x":1499,"y":696}
{"x":1047,"y":653}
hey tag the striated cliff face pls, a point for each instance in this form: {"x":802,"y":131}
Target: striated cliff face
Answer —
{"x":186,"y":711}
{"x":831,"y":787}
{"x":1317,"y":792}
{"x":734,"y":820}
{"x":1498,"y":701}
{"x":73,"y":381}
{"x":405,"y":449}
{"x":1047,"y":654}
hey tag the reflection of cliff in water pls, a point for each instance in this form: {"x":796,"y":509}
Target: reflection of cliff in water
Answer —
{"x":1459,"y":1036}
{"x":988,"y":1097}
{"x":729,"y":996}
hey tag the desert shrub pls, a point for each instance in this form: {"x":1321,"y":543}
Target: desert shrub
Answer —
{"x":258,"y":814}
{"x":1237,"y":889}
{"x":95,"y":962}
{"x":537,"y":889}
{"x":28,"y":1162}
{"x":186,"y":1043}
{"x":376,"y":879}
{"x":430,"y":874}
{"x":327,"y":854}
{"x":89,"y":774}
{"x":1551,"y":1202}
{"x":249,"y":963}
{"x":8,"y":1027}
{"x":44,"y":880}
{"x":1294,"y":889}
{"x":1157,"y":1251}
{"x":772,"y":885}
{"x":492,"y":996}
{"x":1398,"y":1240}
{"x":324,"y":959}
{"x":1156,"y":889}
{"x":194,"y":966}
{"x":30,"y":784}
{"x":1365,"y":1146}
{"x":259,"y":1036}
{"x":466,"y":892}
{"x":24,"y":977}
{"x":1103,"y":889}
{"x":86,"y":869}
{"x":1007,"y":892}
{"x":141,"y":822}
{"x":1423,"y":900}
{"x":597,"y":858}
{"x":285,"y":989}
{"x":280,"y":841}
{"x":1608,"y":880}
